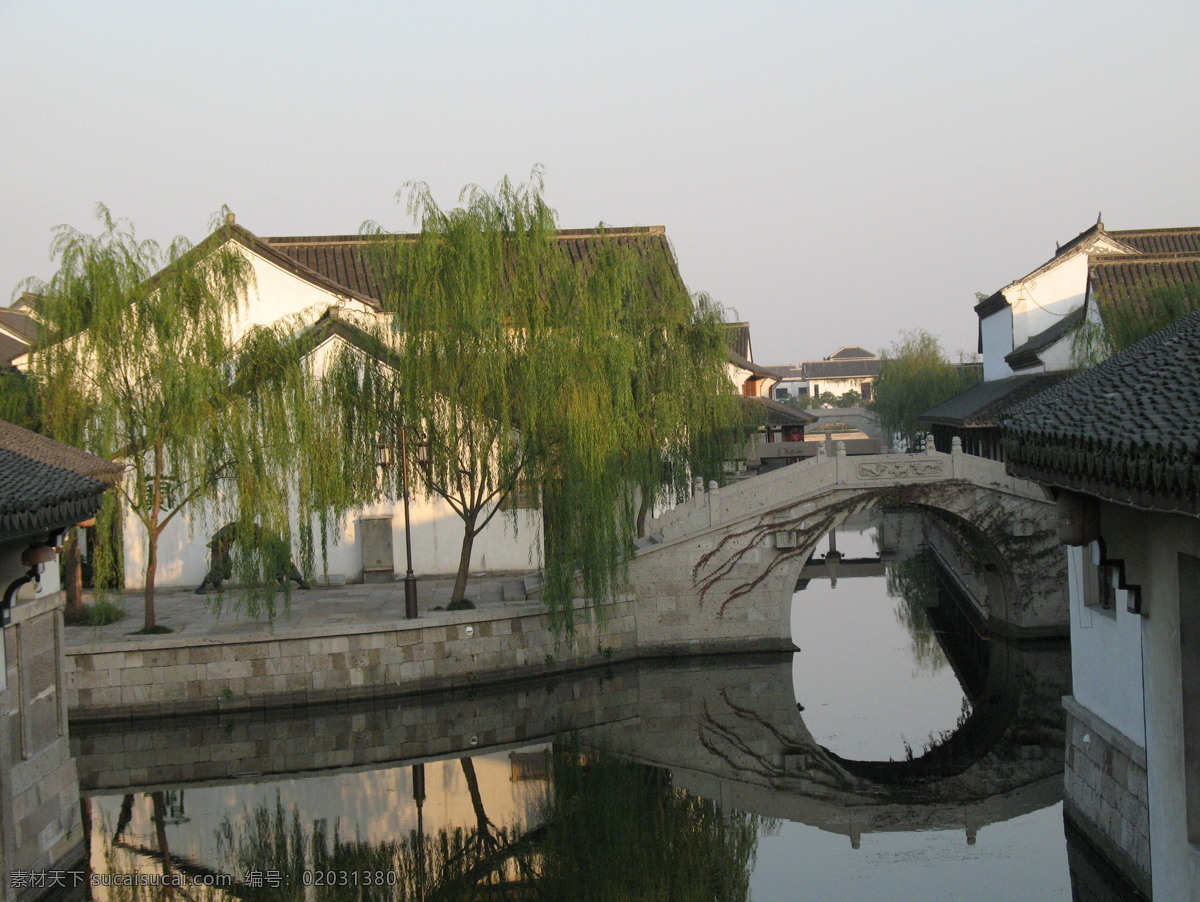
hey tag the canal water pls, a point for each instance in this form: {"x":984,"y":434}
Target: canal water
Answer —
{"x":902,"y":753}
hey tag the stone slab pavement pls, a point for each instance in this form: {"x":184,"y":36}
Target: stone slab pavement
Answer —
{"x":322,"y":608}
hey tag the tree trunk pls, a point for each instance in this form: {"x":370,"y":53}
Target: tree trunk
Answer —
{"x":124,"y":816}
{"x":160,"y":829}
{"x":151,"y":570}
{"x":464,"y":558}
{"x":483,"y":824}
{"x":85,"y":821}
{"x":73,"y":577}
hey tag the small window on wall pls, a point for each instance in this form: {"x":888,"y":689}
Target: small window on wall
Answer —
{"x":525,"y":496}
{"x":1099,"y":579}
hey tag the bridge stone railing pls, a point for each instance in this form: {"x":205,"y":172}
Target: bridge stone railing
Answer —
{"x":712,"y":506}
{"x":721,"y":568}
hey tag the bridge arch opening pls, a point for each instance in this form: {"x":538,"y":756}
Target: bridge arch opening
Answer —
{"x":904,"y":714}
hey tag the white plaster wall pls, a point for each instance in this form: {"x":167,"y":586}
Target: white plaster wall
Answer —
{"x":1106,"y":656}
{"x":1042,"y":299}
{"x":737,"y":375}
{"x":1152,"y":543}
{"x":838,"y":386}
{"x":277,"y":294}
{"x":437,"y":541}
{"x":1055,"y":358}
{"x":794,"y":387}
{"x":1149,"y":544}
{"x":997,"y":334}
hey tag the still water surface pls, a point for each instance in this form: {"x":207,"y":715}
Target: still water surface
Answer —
{"x":898,"y":755}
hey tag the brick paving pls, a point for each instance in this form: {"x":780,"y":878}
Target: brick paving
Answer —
{"x":358,"y":605}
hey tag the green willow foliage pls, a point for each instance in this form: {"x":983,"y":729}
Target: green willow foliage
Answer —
{"x":614,"y":830}
{"x":18,"y":399}
{"x":137,"y":362}
{"x":609,"y":830}
{"x":589,"y":382}
{"x":914,"y":582}
{"x":1130,"y":316}
{"x":915,"y":376}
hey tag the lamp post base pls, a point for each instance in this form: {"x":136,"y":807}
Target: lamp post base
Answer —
{"x":410,"y":596}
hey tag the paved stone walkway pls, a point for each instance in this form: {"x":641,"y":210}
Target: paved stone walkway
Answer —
{"x":196,"y":616}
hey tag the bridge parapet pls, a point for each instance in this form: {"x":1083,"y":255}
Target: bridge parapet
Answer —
{"x":724,"y":565}
{"x":784,"y":487}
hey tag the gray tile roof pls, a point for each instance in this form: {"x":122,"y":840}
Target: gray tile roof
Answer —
{"x":45,"y":484}
{"x":19,"y":323}
{"x":342,"y":259}
{"x":10,"y":349}
{"x":1127,"y":430}
{"x":737,"y":337}
{"x":983,"y":404}
{"x":776,"y":413}
{"x":17,"y":332}
{"x":1161,"y":241}
{"x":850,"y":352}
{"x":786,"y":371}
{"x":1116,"y":279}
{"x":738,"y":360}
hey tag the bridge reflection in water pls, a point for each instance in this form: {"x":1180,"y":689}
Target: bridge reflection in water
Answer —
{"x":725,"y":769}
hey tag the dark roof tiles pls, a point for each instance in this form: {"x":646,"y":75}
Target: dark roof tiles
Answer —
{"x":983,"y":404}
{"x":19,"y":323}
{"x":342,"y":259}
{"x":1127,"y":430}
{"x":47,"y":485}
{"x":1161,"y":241}
{"x":1114,"y":279}
{"x":851,"y":352}
{"x":737,"y":337}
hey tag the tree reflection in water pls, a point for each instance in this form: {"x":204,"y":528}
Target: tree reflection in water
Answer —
{"x":914,"y":582}
{"x":609,"y":830}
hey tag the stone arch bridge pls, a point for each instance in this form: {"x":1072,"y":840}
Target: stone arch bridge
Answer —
{"x":719,"y":571}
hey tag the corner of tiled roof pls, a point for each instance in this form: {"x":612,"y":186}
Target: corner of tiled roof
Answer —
{"x":1127,"y":430}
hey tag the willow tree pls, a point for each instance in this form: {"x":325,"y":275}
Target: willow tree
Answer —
{"x":516,"y":365}
{"x":1129,"y":314}
{"x":137,"y":361}
{"x":915,"y":376}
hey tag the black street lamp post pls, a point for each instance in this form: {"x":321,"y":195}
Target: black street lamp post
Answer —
{"x":410,"y":581}
{"x":384,"y":459}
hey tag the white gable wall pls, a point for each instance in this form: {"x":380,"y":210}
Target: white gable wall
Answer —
{"x":1041,"y":300}
{"x":1037,"y":302}
{"x":278,"y":294}
{"x":997,"y":337}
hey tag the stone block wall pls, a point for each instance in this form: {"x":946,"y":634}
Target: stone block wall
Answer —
{"x":153,"y":753}
{"x":1106,"y":796}
{"x":39,"y":794}
{"x":173,"y":676}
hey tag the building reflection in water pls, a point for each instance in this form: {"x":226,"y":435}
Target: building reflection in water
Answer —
{"x":634,"y":782}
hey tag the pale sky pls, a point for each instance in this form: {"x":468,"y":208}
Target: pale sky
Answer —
{"x":832,"y":172}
